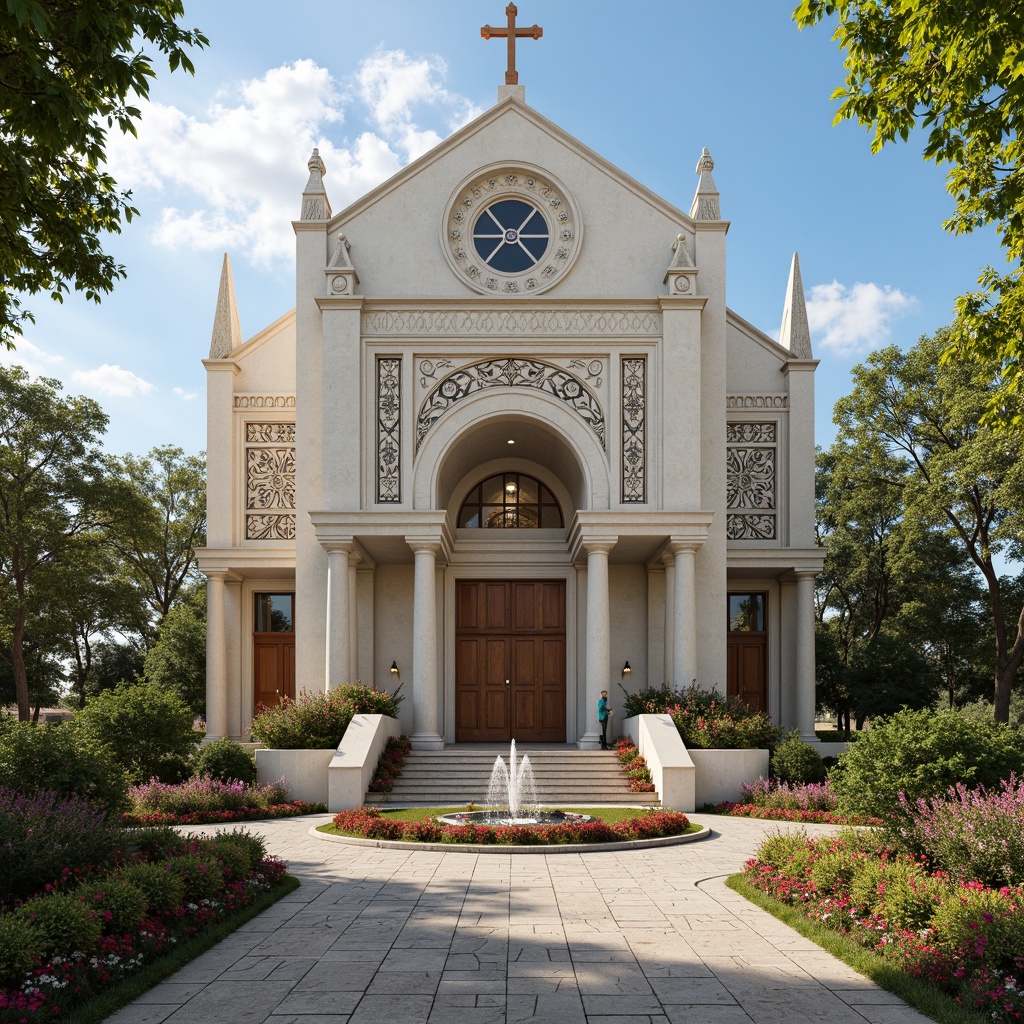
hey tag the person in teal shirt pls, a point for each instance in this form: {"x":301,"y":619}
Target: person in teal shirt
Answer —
{"x":603,"y":712}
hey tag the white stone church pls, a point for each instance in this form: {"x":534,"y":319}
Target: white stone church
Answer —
{"x":511,"y":448}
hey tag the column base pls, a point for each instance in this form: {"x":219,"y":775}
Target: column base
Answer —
{"x":811,"y":739}
{"x":590,"y":741}
{"x":426,"y":741}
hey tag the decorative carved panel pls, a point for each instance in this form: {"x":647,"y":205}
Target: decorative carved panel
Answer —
{"x":515,"y":323}
{"x":757,"y":401}
{"x":634,"y":429}
{"x":389,"y":429}
{"x":270,"y":481}
{"x":510,"y":373}
{"x":751,"y":481}
{"x":264,"y":401}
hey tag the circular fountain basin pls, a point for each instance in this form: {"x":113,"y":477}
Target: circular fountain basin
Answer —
{"x":498,"y":816}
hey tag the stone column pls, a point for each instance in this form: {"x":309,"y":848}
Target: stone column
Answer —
{"x":339,"y":616}
{"x":353,"y":626}
{"x":598,"y":637}
{"x":216,"y":658}
{"x":684,"y":660}
{"x":805,"y":681}
{"x":425,"y":734}
{"x":670,"y":620}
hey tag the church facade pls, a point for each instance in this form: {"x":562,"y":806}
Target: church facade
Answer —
{"x":511,"y":448}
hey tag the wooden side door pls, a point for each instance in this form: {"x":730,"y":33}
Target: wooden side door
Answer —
{"x":747,"y":650}
{"x":273,"y":650}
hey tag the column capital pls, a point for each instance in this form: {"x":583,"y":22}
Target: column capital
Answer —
{"x":801,"y":575}
{"x":680,"y":544}
{"x":418,"y":544}
{"x":595,"y":545}
{"x":339,"y":545}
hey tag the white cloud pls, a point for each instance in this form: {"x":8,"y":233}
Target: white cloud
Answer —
{"x":232,"y":178}
{"x":185,"y":396}
{"x":36,"y":361}
{"x":853,"y":320}
{"x":112,"y":380}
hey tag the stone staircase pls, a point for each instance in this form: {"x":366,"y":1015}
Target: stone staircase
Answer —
{"x":564,"y":777}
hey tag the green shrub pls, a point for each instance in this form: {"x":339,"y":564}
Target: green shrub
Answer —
{"x":147,"y":729}
{"x":34,"y":758}
{"x":233,"y":859}
{"x":20,"y":944}
{"x":63,"y":923}
{"x":156,"y":842}
{"x":253,"y":845}
{"x":708,"y":719}
{"x":200,"y":874}
{"x":985,"y":924}
{"x":226,"y":761}
{"x":654,"y":700}
{"x":921,"y":754}
{"x":162,"y":889}
{"x":122,"y":900}
{"x":317,"y":721}
{"x":834,"y":871}
{"x":797,"y":762}
{"x":790,"y":852}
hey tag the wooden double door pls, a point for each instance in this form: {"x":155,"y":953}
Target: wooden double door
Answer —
{"x":510,"y":661}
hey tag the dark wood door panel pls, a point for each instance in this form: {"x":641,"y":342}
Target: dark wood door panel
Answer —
{"x":517,"y":632}
{"x":273,"y":669}
{"x":747,"y":669}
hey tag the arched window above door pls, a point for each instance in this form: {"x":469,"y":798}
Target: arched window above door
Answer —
{"x":510,"y":501}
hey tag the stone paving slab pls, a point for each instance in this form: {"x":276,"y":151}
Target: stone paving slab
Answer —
{"x":382,"y":936}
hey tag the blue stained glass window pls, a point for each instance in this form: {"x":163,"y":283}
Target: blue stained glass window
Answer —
{"x":511,"y":236}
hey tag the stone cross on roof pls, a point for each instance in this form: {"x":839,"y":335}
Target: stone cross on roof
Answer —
{"x":533,"y":32}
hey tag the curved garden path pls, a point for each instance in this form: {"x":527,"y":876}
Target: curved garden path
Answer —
{"x":418,"y":937}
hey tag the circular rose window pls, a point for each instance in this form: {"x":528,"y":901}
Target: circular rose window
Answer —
{"x":511,"y":231}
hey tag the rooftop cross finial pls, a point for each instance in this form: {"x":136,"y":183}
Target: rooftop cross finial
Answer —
{"x":533,"y":32}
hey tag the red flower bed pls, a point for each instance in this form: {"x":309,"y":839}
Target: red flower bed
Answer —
{"x":781,"y":814}
{"x":222,"y":817}
{"x":368,"y":823}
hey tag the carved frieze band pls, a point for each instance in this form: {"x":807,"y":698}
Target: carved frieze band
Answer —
{"x":510,"y":373}
{"x":389,"y":429}
{"x":634,"y":429}
{"x":751,"y":488}
{"x":757,"y":401}
{"x":264,"y":401}
{"x":518,"y":323}
{"x":270,"y":481}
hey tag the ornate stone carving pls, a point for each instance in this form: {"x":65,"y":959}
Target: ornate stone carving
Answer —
{"x":510,"y":373}
{"x":389,"y":429}
{"x":751,"y":494}
{"x":750,"y":433}
{"x":634,"y":429}
{"x":315,"y":204}
{"x":681,"y":276}
{"x":269,"y":527}
{"x":516,"y":323}
{"x":270,"y":481}
{"x":757,"y":401}
{"x":341,"y":274}
{"x":750,"y":527}
{"x":264,"y":401}
{"x":705,"y":201}
{"x":562,"y":225}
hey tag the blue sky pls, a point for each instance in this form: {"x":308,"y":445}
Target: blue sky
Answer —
{"x":220,"y":163}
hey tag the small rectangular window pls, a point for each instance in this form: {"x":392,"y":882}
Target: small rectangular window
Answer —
{"x":275,"y":613}
{"x":746,"y":613}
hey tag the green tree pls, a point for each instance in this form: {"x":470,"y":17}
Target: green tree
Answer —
{"x":55,"y":490}
{"x":70,"y":71}
{"x":954,"y":68}
{"x":115,"y":661}
{"x":177,"y":661}
{"x":158,"y":546}
{"x":912,"y":424}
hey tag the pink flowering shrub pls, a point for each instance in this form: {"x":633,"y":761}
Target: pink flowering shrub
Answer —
{"x":773,"y":793}
{"x":634,"y":766}
{"x":368,"y":823}
{"x":203,"y":794}
{"x":970,"y":833}
{"x":390,"y":765}
{"x":965,"y":938}
{"x":708,"y":719}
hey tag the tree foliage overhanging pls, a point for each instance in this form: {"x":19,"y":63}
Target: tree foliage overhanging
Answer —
{"x":954,"y":68}
{"x":70,"y":70}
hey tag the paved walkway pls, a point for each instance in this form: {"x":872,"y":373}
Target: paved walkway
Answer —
{"x":411,"y":937}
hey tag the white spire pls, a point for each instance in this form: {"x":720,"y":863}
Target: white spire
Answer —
{"x":795,"y":334}
{"x":705,"y":204}
{"x":227,"y":328}
{"x":315,"y":204}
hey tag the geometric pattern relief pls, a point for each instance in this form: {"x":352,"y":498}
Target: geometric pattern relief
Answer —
{"x":514,"y":323}
{"x":389,"y":429}
{"x":510,"y":373}
{"x":270,"y":481}
{"x":634,"y":429}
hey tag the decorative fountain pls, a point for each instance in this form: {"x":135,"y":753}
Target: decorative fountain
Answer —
{"x":512,"y":799}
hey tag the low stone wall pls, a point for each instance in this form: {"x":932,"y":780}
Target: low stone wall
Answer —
{"x":672,"y":769}
{"x":720,"y":773}
{"x":338,"y":778}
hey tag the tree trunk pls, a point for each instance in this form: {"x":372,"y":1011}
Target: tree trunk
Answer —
{"x":18,"y":665}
